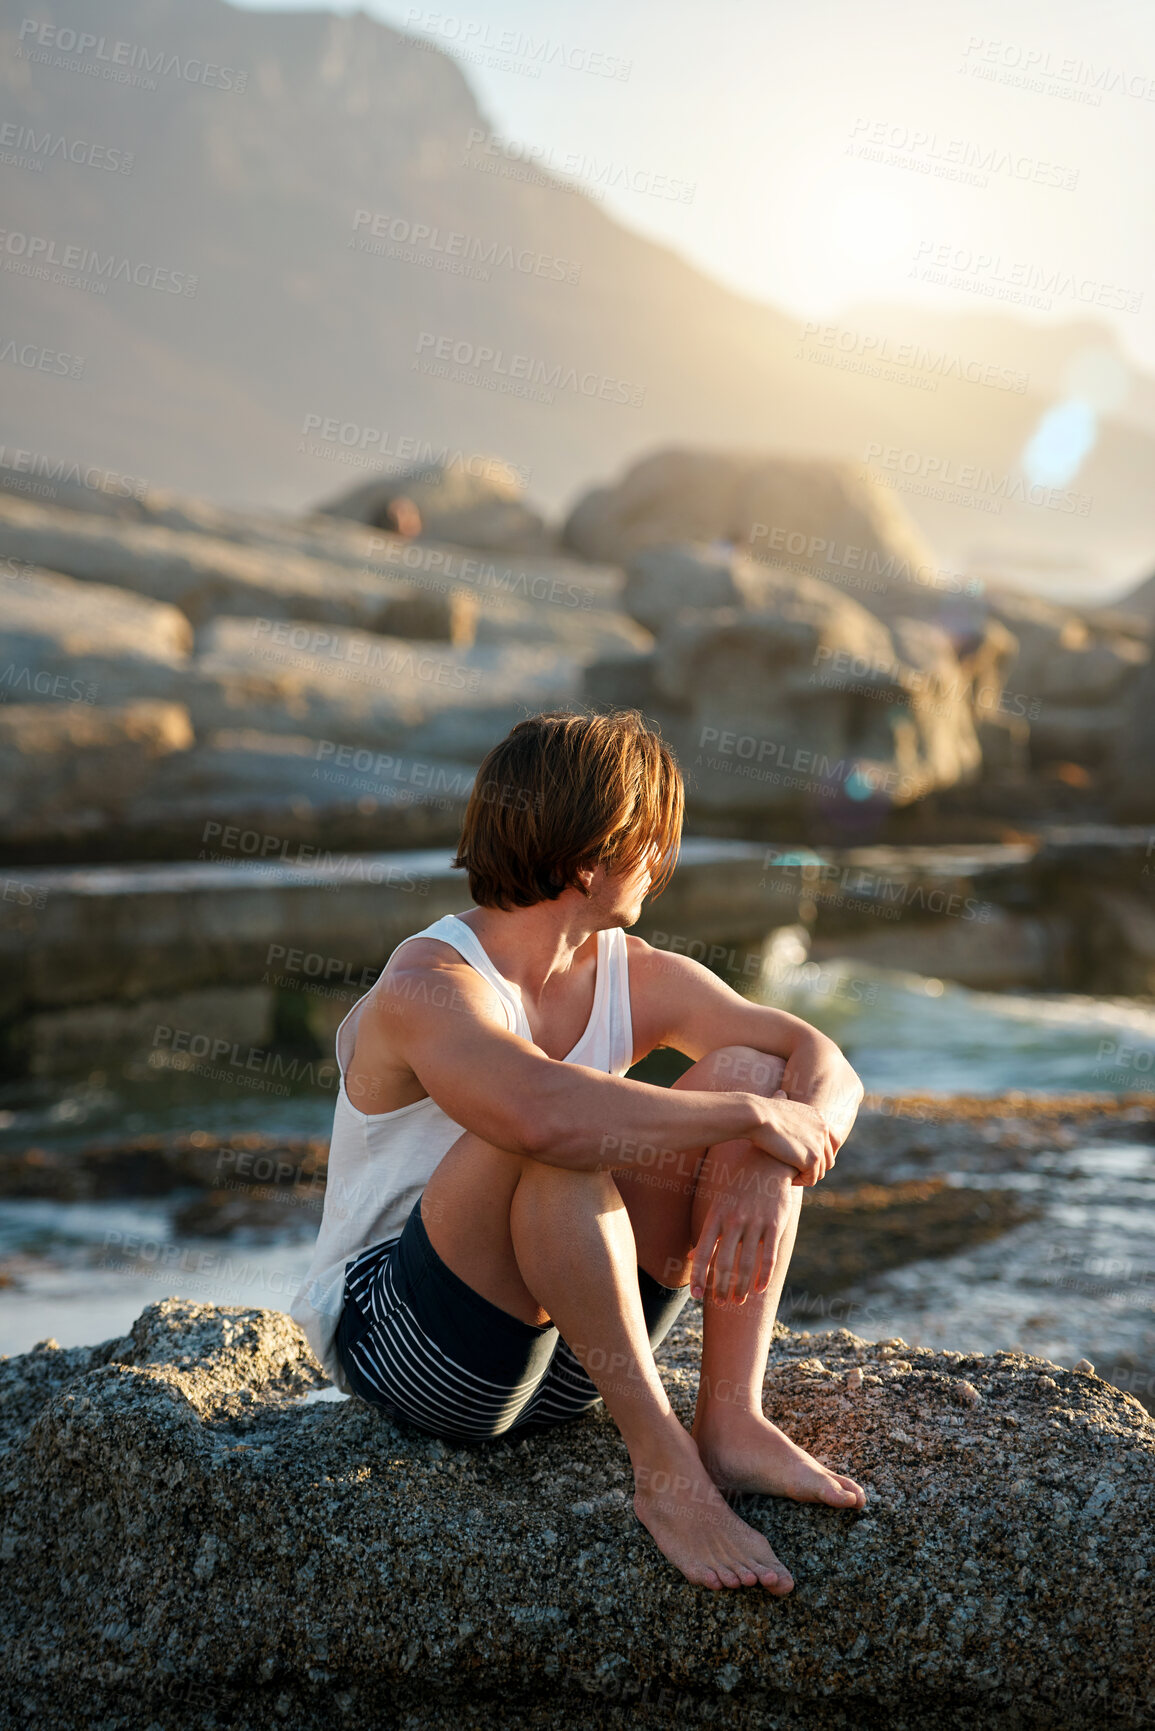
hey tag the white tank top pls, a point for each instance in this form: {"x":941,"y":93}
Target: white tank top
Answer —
{"x":380,"y":1162}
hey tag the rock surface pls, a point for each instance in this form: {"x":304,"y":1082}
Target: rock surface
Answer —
{"x":203,"y":575}
{"x":811,"y":700}
{"x":188,"y":1543}
{"x":62,"y":640}
{"x":1072,"y":675}
{"x":71,"y":770}
{"x":475,"y":503}
{"x":808,"y":516}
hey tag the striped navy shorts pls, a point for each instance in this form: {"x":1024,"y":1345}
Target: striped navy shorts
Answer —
{"x":419,"y":1343}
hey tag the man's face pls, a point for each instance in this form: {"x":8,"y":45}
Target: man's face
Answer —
{"x":625,"y":891}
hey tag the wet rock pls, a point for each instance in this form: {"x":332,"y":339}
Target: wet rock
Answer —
{"x":66,"y":1042}
{"x":993,"y":951}
{"x":852,"y":1231}
{"x":221,"y":1553}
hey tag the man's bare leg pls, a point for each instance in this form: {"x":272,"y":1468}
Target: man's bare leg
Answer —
{"x":742,"y":1449}
{"x":573,"y":1259}
{"x":740,"y":1446}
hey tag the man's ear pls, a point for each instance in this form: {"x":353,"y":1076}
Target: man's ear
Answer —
{"x":585,"y":876}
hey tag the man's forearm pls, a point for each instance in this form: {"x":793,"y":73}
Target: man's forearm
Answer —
{"x":586,"y":1120}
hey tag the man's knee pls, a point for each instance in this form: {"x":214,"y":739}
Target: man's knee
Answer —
{"x":741,"y":1069}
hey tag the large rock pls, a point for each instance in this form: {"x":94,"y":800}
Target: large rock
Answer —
{"x":665,"y":581}
{"x":62,"y":640}
{"x":286,"y":792}
{"x":64,"y":1043}
{"x":356,"y":687}
{"x":72,"y":769}
{"x":808,"y":516}
{"x":474,"y":503}
{"x":800,"y":696}
{"x":1072,"y":674}
{"x":187,"y":1542}
{"x":204,"y":576}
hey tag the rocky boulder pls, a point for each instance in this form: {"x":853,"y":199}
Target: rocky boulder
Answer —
{"x":72,"y":769}
{"x":187,"y":1540}
{"x":477,"y":503}
{"x":366,"y":690}
{"x":1072,"y":674}
{"x":811,"y":517}
{"x":797,"y":699}
{"x":204,"y":576}
{"x":61,"y":641}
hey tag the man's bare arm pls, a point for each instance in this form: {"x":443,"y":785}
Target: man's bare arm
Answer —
{"x":440,"y":1021}
{"x":679,"y":1003}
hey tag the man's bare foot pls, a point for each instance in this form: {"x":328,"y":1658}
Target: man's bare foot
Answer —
{"x":743,"y":1451}
{"x":681,"y":1508}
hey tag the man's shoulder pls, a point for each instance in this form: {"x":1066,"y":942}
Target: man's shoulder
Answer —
{"x":645,"y":960}
{"x":428,"y":974}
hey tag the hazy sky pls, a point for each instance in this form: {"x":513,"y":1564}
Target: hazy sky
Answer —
{"x":822,"y":154}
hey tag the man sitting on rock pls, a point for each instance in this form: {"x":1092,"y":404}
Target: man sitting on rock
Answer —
{"x":511,"y":1225}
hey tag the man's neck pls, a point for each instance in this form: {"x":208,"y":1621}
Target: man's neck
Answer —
{"x":535,"y":947}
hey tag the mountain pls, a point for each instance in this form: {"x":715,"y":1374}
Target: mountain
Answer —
{"x":375,"y":282}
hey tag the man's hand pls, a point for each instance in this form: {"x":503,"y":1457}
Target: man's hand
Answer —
{"x":796,"y":1135}
{"x":749,"y":1211}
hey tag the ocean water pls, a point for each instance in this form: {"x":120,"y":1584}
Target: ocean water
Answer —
{"x":1079,"y":1282}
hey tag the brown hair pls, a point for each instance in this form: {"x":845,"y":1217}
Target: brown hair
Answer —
{"x":563,"y":791}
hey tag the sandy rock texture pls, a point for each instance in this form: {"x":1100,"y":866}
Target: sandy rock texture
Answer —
{"x":187,"y":1543}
